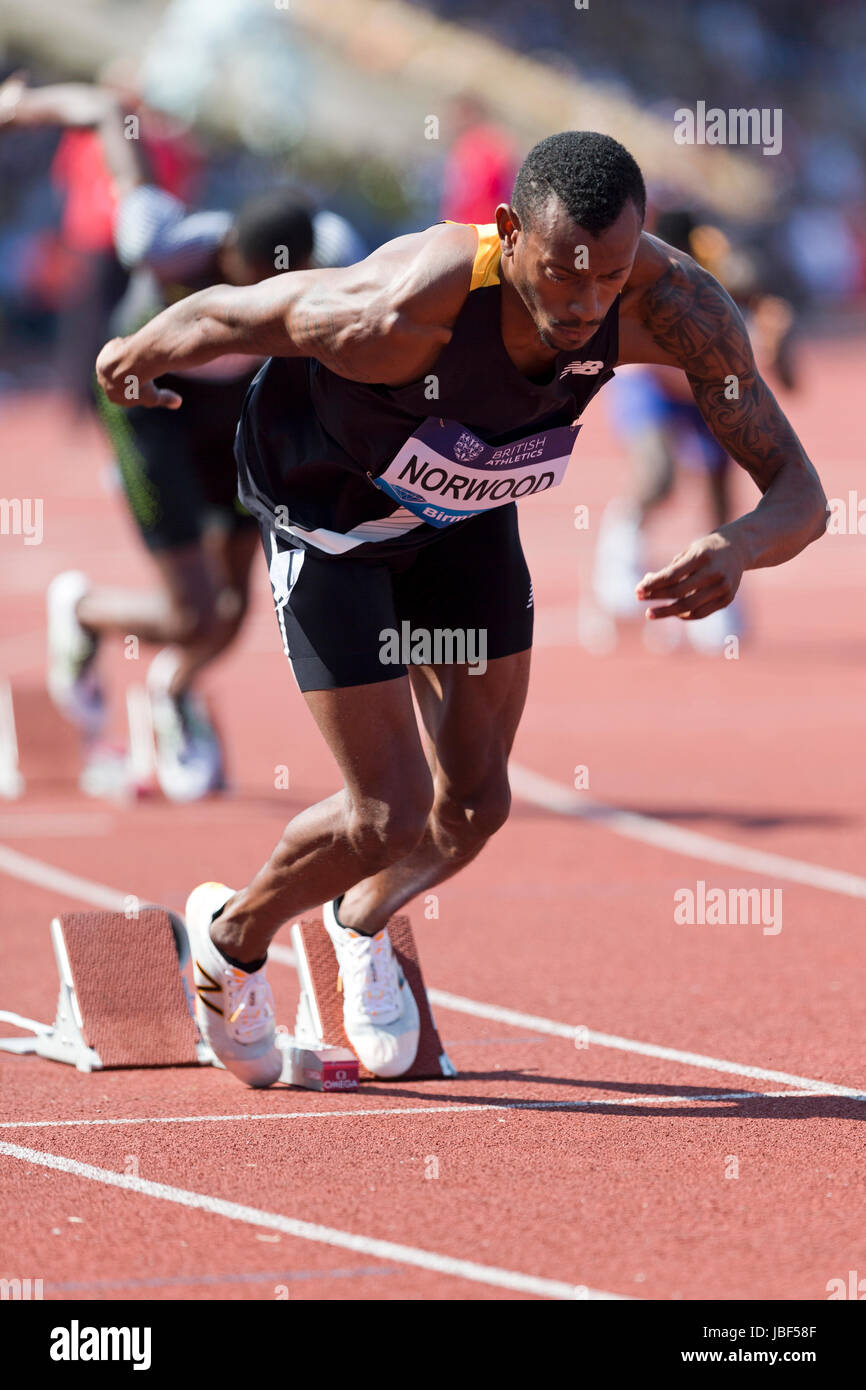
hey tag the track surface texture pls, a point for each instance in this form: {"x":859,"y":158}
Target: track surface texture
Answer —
{"x":645,"y":1108}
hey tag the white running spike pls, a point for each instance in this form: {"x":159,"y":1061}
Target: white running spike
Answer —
{"x":11,"y":781}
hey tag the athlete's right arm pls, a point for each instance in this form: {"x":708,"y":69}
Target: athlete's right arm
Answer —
{"x":383,"y":321}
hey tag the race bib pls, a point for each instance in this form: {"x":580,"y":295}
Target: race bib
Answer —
{"x":445,"y":473}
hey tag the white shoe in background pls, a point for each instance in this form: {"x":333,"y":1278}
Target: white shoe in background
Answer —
{"x":189,"y":759}
{"x":618,"y":565}
{"x":72,"y":681}
{"x":709,"y":635}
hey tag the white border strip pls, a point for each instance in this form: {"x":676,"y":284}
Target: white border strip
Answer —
{"x":308,"y":1230}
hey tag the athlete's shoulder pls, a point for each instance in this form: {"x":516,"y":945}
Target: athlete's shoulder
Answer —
{"x":657,"y":262}
{"x":665,"y":299}
{"x":427,"y":275}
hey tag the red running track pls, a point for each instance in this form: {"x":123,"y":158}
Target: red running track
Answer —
{"x":644,"y":1109}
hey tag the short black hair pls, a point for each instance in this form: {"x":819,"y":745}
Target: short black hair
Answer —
{"x":592,"y":175}
{"x":280,"y":217}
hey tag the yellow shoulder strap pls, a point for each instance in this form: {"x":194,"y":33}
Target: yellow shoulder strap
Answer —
{"x":485,"y":268}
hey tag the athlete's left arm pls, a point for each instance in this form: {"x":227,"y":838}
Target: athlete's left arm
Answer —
{"x":679,"y":315}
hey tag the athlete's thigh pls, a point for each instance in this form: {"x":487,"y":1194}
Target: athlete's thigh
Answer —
{"x":372,"y":733}
{"x":471,"y":720}
{"x":154,"y":455}
{"x":332,"y":613}
{"x":231,"y":554}
{"x":472,"y":593}
{"x":187,"y":575}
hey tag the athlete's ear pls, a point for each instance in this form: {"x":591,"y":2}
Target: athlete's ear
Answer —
{"x":508,"y":226}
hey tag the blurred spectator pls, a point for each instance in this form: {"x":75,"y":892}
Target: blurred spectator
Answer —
{"x":76,"y":269}
{"x":480,"y":167}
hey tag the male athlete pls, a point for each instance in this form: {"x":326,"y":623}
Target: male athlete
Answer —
{"x":177,"y":469}
{"x":443,"y":377}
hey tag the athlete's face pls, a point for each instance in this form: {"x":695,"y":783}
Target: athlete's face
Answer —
{"x":566,"y":277}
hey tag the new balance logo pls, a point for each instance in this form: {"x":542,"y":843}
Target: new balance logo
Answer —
{"x":581,"y":369}
{"x":210,"y":988}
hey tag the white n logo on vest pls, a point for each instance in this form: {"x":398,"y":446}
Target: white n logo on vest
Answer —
{"x":581,"y":369}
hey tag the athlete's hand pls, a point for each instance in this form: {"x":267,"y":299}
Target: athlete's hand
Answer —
{"x":123,"y":385}
{"x":697,"y":582}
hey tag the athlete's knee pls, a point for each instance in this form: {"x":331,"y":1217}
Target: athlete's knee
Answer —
{"x":466,"y":822}
{"x":209,"y":618}
{"x":230,"y":609}
{"x":384,"y":829}
{"x":192,"y":620}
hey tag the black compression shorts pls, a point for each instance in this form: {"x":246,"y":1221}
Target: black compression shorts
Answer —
{"x":177,"y":466}
{"x":344,"y":622}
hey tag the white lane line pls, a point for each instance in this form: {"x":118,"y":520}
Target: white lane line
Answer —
{"x":554,"y":796}
{"x":471,"y":1107}
{"x":308,"y":1230}
{"x":22,"y":825}
{"x":534,"y":1023}
{"x":45,"y":875}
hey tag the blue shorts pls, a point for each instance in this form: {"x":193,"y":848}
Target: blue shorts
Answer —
{"x":637,"y":402}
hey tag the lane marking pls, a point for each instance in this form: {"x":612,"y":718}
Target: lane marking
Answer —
{"x":470,"y":1107}
{"x":22,"y":825}
{"x":312,"y":1231}
{"x":555,"y":796}
{"x":45,"y":875}
{"x":534,"y":1023}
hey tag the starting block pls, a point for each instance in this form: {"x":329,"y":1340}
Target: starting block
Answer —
{"x":124,"y":1002}
{"x":320,"y":1010}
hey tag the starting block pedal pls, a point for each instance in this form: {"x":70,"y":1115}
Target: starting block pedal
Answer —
{"x":320,"y":1011}
{"x":123,"y":1000}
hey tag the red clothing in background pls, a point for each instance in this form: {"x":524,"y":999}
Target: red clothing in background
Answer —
{"x":479,"y":174}
{"x":80,"y":173}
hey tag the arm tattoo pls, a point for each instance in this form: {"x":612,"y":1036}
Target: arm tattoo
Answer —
{"x":697,"y":324}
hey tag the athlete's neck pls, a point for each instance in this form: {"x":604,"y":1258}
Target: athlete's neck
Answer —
{"x":522,"y":340}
